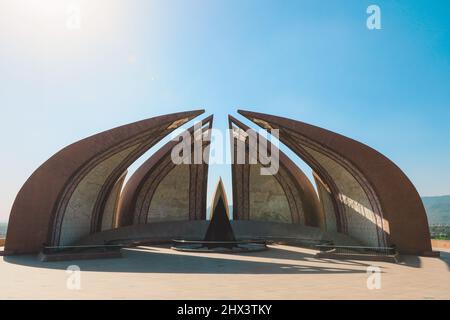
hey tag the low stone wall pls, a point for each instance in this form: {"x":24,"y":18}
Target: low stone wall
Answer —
{"x":195,"y":230}
{"x":152,"y":232}
{"x":436,"y":244}
{"x":261,"y":229}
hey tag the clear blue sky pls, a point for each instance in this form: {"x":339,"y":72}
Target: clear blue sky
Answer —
{"x":313,"y":61}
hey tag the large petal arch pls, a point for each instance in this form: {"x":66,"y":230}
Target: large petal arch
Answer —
{"x":288,"y":186}
{"x":373,"y":200}
{"x":64,"y":199}
{"x":139,"y":192}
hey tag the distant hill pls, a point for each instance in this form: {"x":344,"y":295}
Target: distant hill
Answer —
{"x":438,"y":209}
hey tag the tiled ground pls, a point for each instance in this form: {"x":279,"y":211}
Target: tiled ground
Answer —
{"x":283,"y":272}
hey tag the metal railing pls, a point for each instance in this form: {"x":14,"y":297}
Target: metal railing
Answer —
{"x":301,"y":242}
{"x":216,"y":243}
{"x":133,"y":242}
{"x":363,"y":250}
{"x":80,"y":249}
{"x":219,"y":246}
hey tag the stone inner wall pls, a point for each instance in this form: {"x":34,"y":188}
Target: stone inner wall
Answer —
{"x":268,"y":201}
{"x":78,"y":215}
{"x":196,"y":229}
{"x":171,"y":199}
{"x":111,"y":205}
{"x":327,"y":206}
{"x":359,"y":215}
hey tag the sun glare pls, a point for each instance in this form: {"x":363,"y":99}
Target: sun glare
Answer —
{"x":56,"y":23}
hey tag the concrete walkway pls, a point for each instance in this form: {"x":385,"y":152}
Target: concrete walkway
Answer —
{"x":283,"y":272}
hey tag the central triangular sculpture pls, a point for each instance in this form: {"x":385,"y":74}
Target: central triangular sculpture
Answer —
{"x":219,"y":236}
{"x":219,"y":229}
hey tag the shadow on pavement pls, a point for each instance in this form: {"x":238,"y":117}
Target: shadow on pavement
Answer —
{"x":141,"y":260}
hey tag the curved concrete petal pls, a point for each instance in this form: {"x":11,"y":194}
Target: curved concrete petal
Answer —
{"x":161,"y":190}
{"x":109,"y":218}
{"x":287,"y":196}
{"x":371,"y":198}
{"x":64,"y":199}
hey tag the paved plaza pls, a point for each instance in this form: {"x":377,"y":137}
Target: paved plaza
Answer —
{"x":283,"y":272}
